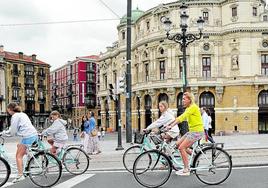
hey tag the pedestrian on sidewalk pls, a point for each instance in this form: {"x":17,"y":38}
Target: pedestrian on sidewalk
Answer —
{"x":75,"y":134}
{"x":102,"y":133}
{"x":209,"y":123}
{"x":205,"y":120}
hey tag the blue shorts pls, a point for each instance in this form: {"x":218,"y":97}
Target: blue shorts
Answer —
{"x":30,"y":140}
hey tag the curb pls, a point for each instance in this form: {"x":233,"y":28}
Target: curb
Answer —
{"x":124,"y":170}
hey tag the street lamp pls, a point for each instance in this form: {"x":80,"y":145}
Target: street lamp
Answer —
{"x":183,"y":38}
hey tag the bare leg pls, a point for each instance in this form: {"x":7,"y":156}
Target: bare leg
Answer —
{"x":183,"y":150}
{"x":21,"y":151}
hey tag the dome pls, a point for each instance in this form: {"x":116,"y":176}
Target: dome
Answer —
{"x":135,"y":14}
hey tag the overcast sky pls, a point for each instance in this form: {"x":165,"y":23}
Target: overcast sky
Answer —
{"x":56,"y":44}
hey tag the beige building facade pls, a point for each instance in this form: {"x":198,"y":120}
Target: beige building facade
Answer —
{"x":227,"y":70}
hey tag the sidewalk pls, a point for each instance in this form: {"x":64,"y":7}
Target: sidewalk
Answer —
{"x":246,"y":150}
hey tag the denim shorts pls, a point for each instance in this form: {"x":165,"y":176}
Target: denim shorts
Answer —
{"x":29,"y":141}
{"x":194,"y":136}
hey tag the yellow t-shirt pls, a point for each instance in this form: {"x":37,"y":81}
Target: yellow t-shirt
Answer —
{"x":194,"y":118}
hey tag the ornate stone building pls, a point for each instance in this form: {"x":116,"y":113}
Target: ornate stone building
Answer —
{"x":24,"y":79}
{"x":227,"y":70}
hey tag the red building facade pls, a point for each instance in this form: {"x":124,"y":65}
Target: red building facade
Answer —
{"x":73,"y":88}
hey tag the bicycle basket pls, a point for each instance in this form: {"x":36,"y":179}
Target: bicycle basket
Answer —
{"x":138,"y":138}
{"x":156,"y":139}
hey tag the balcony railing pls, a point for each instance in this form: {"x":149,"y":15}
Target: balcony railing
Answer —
{"x":29,"y":99}
{"x":16,"y":99}
{"x":42,"y":100}
{"x":15,"y":84}
{"x":41,"y":86}
{"x":29,"y":85}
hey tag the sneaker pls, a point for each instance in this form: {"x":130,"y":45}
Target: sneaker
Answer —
{"x":18,"y":178}
{"x":183,"y":172}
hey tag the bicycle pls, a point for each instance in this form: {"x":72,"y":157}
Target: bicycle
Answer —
{"x":73,"y":157}
{"x":37,"y":166}
{"x":153,"y":168}
{"x":144,"y":144}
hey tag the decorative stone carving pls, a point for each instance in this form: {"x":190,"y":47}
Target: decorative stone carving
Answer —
{"x":234,"y":62}
{"x":194,"y":91}
{"x":219,"y":93}
{"x":171,"y":92}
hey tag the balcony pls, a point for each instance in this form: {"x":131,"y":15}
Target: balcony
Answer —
{"x":41,"y":86}
{"x":16,"y":99}
{"x":29,"y":85}
{"x":29,"y":99}
{"x":41,"y":99}
{"x":15,"y":72}
{"x":29,"y":112}
{"x":15,"y":84}
{"x":41,"y":75}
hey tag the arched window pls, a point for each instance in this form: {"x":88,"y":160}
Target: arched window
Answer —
{"x":162,"y":97}
{"x":263,"y":99}
{"x":207,"y":99}
{"x":148,"y":102}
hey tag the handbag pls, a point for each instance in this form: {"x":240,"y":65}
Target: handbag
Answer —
{"x":94,"y":132}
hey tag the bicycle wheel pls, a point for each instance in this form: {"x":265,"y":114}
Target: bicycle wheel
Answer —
{"x":130,"y":155}
{"x":75,"y":161}
{"x":152,"y":168}
{"x":214,"y":165}
{"x":4,"y":171}
{"x":44,"y":169}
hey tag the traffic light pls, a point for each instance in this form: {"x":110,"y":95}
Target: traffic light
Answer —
{"x":111,"y":92}
{"x":121,"y":85}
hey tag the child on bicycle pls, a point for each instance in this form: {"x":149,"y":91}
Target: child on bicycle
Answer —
{"x":165,"y":119}
{"x":58,"y":131}
{"x":20,"y":126}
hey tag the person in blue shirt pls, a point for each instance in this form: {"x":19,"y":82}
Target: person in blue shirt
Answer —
{"x":91,"y":138}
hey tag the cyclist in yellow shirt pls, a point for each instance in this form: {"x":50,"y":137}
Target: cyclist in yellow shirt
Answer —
{"x":196,"y":131}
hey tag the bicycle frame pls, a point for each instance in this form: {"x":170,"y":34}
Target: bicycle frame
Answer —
{"x":29,"y":154}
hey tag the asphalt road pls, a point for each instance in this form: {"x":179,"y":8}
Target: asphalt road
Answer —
{"x":251,"y":177}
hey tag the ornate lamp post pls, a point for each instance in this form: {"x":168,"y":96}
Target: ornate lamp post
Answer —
{"x":183,"y":38}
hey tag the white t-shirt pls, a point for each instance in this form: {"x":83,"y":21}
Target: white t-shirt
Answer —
{"x":209,"y":122}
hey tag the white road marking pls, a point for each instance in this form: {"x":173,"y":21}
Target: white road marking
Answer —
{"x":74,"y":181}
{"x":8,"y":184}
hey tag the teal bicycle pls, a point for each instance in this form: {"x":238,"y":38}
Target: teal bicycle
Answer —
{"x":143,"y":143}
{"x":73,"y":157}
{"x":210,"y":163}
{"x":43,"y":169}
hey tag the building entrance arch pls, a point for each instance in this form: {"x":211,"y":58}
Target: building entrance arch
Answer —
{"x":263,"y":112}
{"x":207,"y":100}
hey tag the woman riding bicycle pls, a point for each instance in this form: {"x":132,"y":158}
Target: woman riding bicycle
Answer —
{"x":58,"y":131}
{"x":165,"y":119}
{"x":21,"y":126}
{"x":196,"y":130}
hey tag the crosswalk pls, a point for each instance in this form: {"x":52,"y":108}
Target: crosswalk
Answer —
{"x":66,"y":184}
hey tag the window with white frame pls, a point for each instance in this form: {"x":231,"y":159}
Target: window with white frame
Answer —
{"x":206,"y":67}
{"x":264,"y":64}
{"x":162,"y":69}
{"x":146,"y":72}
{"x":234,"y":11}
{"x":254,"y":11}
